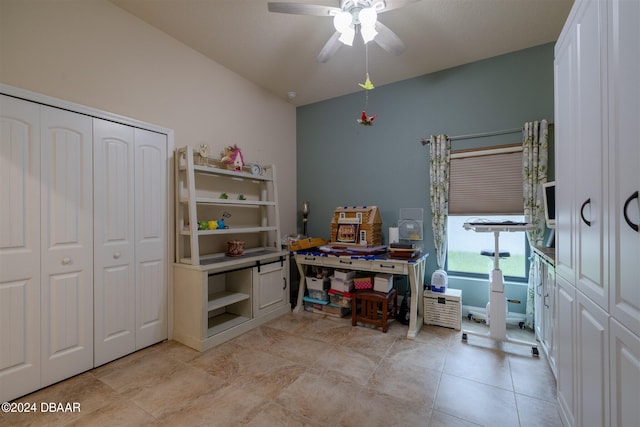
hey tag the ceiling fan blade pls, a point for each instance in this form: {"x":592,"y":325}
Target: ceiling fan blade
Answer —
{"x":395,"y":4}
{"x":302,"y":9}
{"x":388,"y":40}
{"x":330,"y":48}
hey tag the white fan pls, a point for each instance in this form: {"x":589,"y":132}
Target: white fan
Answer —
{"x":349,"y":17}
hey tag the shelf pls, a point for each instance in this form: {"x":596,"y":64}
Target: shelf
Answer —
{"x":234,"y":230}
{"x":218,"y":201}
{"x":251,"y":255}
{"x":225,"y":321}
{"x":231,"y":173}
{"x":223,"y":299}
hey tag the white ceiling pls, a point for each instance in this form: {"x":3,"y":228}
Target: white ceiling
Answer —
{"x":278,"y":51}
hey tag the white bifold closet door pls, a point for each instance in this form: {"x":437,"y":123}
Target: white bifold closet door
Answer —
{"x":129,"y":239}
{"x":19,"y":247}
{"x":66,"y":223}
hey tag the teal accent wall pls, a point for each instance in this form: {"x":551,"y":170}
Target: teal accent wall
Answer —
{"x":340,"y":162}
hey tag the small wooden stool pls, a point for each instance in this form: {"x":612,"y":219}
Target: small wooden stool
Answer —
{"x":376,"y":308}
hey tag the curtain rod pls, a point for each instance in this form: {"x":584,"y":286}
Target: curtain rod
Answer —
{"x":426,"y":141}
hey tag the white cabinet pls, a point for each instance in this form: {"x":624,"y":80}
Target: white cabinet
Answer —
{"x":597,"y":103}
{"x":625,"y":375}
{"x":565,"y":333}
{"x":130,"y":239}
{"x":592,"y":367}
{"x":545,"y":307}
{"x":624,"y":128}
{"x":271,"y":285}
{"x":83,"y":240}
{"x":219,"y":295}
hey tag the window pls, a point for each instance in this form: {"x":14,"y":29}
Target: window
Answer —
{"x":486,"y":183}
{"x":464,"y":247}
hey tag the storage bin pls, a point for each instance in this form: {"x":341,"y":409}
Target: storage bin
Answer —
{"x":344,"y":275}
{"x":320,"y":284}
{"x":341,"y":299}
{"x":383,"y":282}
{"x":363,"y":283}
{"x":443,"y":309}
{"x":317,"y":294}
{"x":313,"y":305}
{"x":337,"y":311}
{"x":341,"y":285}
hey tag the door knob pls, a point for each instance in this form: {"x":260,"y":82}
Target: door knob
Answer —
{"x":116,"y":255}
{"x":66,"y":260}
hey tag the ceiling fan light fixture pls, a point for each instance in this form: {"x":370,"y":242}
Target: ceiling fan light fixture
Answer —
{"x":342,"y":21}
{"x":368,"y":33}
{"x":368,"y":16}
{"x":347,"y":36}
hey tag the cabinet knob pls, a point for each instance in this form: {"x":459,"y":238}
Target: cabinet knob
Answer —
{"x":66,"y":261}
{"x":116,"y":255}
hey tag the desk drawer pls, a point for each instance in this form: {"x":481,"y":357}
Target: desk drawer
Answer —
{"x":391,"y":267}
{"x":310,"y":259}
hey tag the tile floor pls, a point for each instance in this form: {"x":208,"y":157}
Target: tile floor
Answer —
{"x":309,"y":370}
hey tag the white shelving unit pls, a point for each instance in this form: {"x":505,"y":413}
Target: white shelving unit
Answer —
{"x":218,"y":296}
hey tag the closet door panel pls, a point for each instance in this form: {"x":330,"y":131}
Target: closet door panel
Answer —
{"x":19,"y":247}
{"x":591,"y":153}
{"x":114,"y":237}
{"x":67,"y":244}
{"x":151,"y":237}
{"x":625,"y":179}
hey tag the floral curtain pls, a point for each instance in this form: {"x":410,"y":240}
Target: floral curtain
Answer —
{"x":534,"y":171}
{"x":439,"y":160}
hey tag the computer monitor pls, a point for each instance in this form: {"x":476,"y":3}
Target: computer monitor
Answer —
{"x":549,"y":197}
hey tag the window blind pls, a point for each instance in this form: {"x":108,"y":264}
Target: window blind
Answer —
{"x":486,"y":181}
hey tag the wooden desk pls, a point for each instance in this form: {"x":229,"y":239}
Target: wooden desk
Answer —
{"x":414,"y":269}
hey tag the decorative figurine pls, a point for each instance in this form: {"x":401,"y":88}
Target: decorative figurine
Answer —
{"x":367,"y":121}
{"x":242,"y":197}
{"x":224,"y":196}
{"x":203,"y":225}
{"x":213,"y":225}
{"x":232,"y":156}
{"x":204,"y":154}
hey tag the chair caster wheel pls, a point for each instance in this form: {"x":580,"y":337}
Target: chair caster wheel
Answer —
{"x":534,"y":352}
{"x":464,"y":337}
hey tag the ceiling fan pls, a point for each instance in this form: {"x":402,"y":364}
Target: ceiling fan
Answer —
{"x":349,"y":17}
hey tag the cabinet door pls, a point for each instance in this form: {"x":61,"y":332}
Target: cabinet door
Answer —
{"x":537,"y":276}
{"x":591,"y":152}
{"x":549,"y":316}
{"x":66,"y":244}
{"x":151,"y":192}
{"x":565,"y":92}
{"x":19,"y":247}
{"x":270,"y":286}
{"x":565,"y":333}
{"x":625,"y":375}
{"x":592,"y":363}
{"x":625,"y":179}
{"x":114,"y":241}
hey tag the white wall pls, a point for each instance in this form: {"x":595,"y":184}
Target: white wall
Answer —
{"x":93,"y":53}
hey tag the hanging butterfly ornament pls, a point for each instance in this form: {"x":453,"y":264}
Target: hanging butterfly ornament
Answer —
{"x":367,"y":86}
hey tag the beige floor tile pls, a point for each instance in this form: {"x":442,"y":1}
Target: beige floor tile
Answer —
{"x":375,"y":409}
{"x":480,"y":364}
{"x":408,"y":382}
{"x":440,"y":419}
{"x":536,"y":413}
{"x":476,"y":402}
{"x":320,"y":399}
